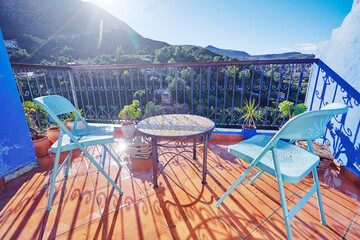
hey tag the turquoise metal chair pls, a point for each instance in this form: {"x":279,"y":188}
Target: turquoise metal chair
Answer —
{"x":78,"y":138}
{"x":287,"y":162}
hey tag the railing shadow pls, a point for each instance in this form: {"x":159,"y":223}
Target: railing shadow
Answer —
{"x":342,"y":134}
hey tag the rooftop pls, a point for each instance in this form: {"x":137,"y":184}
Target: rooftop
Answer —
{"x":86,"y":206}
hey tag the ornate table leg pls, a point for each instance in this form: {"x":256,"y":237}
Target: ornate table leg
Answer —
{"x":194,"y":148}
{"x":205,"y":159}
{"x":155,"y":160}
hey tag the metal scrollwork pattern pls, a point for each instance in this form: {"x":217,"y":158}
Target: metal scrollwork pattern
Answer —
{"x":342,"y":133}
{"x":216,"y":91}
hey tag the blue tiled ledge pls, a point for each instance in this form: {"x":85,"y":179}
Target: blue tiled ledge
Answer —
{"x":226,"y":131}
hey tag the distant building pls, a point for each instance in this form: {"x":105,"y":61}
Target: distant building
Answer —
{"x":83,"y":62}
{"x":11,"y":46}
{"x":280,"y":94}
{"x":165,"y":96}
{"x":297,"y":73}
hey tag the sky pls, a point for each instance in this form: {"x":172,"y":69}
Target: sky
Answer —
{"x":254,"y":26}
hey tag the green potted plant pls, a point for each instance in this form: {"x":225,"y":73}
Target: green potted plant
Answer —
{"x":71,"y":120}
{"x":287,"y":108}
{"x":41,"y":142}
{"x":129,"y":114}
{"x":251,"y":115}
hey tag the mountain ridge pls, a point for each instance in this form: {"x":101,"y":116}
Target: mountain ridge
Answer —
{"x":242,"y":55}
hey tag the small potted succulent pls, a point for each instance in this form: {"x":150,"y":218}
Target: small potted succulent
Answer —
{"x":287,"y":108}
{"x":251,"y":115}
{"x":41,"y":142}
{"x":71,"y":120}
{"x":129,"y":114}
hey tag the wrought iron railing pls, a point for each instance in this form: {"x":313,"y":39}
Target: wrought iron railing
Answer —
{"x":216,"y":90}
{"x":342,"y":134}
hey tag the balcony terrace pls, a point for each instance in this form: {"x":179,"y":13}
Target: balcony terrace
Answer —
{"x":86,"y":206}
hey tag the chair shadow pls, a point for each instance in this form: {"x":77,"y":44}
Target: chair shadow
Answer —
{"x":223,"y":153}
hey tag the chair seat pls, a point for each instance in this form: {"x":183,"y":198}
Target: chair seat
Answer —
{"x":86,"y":137}
{"x":295,"y":162}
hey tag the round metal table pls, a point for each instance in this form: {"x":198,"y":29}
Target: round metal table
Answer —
{"x":176,"y":131}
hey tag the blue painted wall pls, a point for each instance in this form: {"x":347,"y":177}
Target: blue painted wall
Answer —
{"x":16,"y":148}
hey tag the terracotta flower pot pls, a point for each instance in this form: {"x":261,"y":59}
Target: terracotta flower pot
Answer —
{"x":53,"y":133}
{"x":128,"y":129}
{"x":41,"y":145}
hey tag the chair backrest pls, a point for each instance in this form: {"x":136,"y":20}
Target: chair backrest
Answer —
{"x":306,"y":126}
{"x":56,"y":105}
{"x":310,"y":125}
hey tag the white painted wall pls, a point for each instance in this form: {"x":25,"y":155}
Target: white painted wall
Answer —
{"x":342,"y":54}
{"x":355,"y":3}
{"x":342,"y":51}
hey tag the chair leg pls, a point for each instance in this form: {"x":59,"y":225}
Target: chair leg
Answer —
{"x":282,"y":197}
{"x":100,"y":169}
{"x":53,"y":176}
{"x":254,"y":178}
{"x":284,"y":208}
{"x":68,"y":164}
{"x":318,"y":194}
{"x":112,"y":155}
{"x":234,"y":185}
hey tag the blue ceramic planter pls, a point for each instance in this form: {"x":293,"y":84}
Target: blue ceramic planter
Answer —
{"x":248,"y":132}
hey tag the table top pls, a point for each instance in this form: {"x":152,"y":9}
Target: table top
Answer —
{"x":176,"y":125}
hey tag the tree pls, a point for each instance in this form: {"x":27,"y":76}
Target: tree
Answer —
{"x":152,"y":110}
{"x":174,"y":86}
{"x":216,"y":59}
{"x":20,"y":56}
{"x":61,"y":60}
{"x":30,"y":43}
{"x":103,"y":59}
{"x":45,"y":62}
{"x":67,"y":52}
{"x":180,"y":54}
{"x":119,"y":53}
{"x":140,"y":52}
{"x":163,"y":55}
{"x":171,"y":60}
{"x":147,"y":50}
